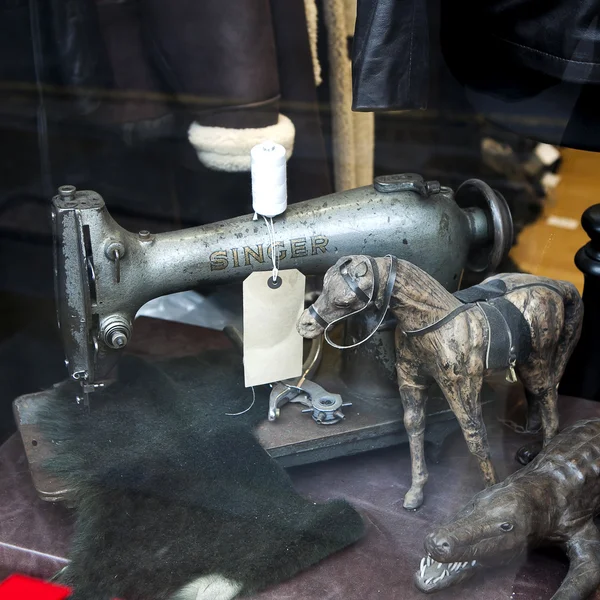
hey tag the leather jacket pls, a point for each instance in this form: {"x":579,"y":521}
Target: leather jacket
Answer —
{"x":485,"y":42}
{"x":559,"y":38}
{"x":390,"y":55}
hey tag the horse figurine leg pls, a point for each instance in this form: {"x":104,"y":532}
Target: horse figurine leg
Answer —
{"x":540,"y":380}
{"x":413,"y":393}
{"x":546,"y":364}
{"x":414,"y":399}
{"x":462,"y":393}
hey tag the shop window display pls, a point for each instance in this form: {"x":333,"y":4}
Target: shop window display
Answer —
{"x":300,"y":299}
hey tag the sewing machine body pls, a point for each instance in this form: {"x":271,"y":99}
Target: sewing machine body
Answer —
{"x":105,"y":273}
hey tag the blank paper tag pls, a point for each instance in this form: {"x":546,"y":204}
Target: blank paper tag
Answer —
{"x":272,"y":345}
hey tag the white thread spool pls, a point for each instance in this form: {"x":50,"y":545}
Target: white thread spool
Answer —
{"x":269,"y":179}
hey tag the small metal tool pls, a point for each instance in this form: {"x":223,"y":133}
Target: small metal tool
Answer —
{"x":326,"y":408}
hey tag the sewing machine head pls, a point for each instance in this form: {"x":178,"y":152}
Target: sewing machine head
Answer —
{"x":105,"y":273}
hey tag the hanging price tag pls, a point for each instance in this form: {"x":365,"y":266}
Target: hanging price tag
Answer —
{"x":272,"y":345}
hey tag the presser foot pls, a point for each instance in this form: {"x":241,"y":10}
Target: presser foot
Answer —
{"x":281,"y":394}
{"x":295,"y":390}
{"x":326,"y":408}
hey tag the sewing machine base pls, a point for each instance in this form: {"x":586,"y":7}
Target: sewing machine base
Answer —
{"x":294,"y":439}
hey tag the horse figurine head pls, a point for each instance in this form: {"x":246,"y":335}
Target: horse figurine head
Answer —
{"x":350,"y":286}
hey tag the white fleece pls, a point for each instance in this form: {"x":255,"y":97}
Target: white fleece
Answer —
{"x":224,"y":149}
{"x":210,"y":587}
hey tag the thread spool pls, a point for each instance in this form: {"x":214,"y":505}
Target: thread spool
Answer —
{"x":269,"y":179}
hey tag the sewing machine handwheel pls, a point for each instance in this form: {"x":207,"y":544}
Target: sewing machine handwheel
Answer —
{"x":478,"y":194}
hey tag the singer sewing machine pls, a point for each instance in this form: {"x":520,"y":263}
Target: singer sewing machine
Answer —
{"x":104,"y":274}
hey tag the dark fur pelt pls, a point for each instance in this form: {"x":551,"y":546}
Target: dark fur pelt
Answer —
{"x":167,"y":488}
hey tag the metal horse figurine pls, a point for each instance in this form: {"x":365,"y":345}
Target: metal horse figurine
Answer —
{"x":529,"y":325}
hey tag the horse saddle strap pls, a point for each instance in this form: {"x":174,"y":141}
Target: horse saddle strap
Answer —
{"x":484,"y":292}
{"x":509,"y":331}
{"x":518,"y":329}
{"x":439,"y":323}
{"x":492,"y":289}
{"x":501,"y":350}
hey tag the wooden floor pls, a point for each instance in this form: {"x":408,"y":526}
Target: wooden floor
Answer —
{"x":548,"y":246}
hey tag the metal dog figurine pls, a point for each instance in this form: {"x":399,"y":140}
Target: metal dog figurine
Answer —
{"x":529,"y":325}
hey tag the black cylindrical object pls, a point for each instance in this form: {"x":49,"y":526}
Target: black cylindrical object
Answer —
{"x":582,"y":376}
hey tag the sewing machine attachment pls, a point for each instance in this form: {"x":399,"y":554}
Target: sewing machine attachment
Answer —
{"x":326,"y":409}
{"x":291,"y":390}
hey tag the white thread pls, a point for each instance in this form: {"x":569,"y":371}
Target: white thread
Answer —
{"x":269,"y":179}
{"x":271,"y":229}
{"x":269,"y":188}
{"x":244,"y":411}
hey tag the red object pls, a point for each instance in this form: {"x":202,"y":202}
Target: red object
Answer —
{"x":19,"y":587}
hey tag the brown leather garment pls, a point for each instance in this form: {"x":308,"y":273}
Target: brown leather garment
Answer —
{"x":217,"y":56}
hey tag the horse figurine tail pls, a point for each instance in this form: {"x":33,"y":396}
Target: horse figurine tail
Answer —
{"x":573,"y":309}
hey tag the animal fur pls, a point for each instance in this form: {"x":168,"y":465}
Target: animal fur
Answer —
{"x":312,"y":24}
{"x":172,"y":495}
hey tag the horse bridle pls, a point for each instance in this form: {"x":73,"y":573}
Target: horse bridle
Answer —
{"x":369,"y":300}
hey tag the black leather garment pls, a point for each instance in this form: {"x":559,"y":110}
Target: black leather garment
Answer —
{"x":136,"y":103}
{"x":216,"y":57}
{"x":557,"y":39}
{"x":390,"y":55}
{"x":518,"y":48}
{"x":56,"y":44}
{"x":530,"y":66}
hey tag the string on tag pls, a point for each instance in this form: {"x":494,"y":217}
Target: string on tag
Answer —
{"x":271,"y":229}
{"x":244,"y":411}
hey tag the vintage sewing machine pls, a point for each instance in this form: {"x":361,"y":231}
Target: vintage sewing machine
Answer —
{"x":104,"y":274}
